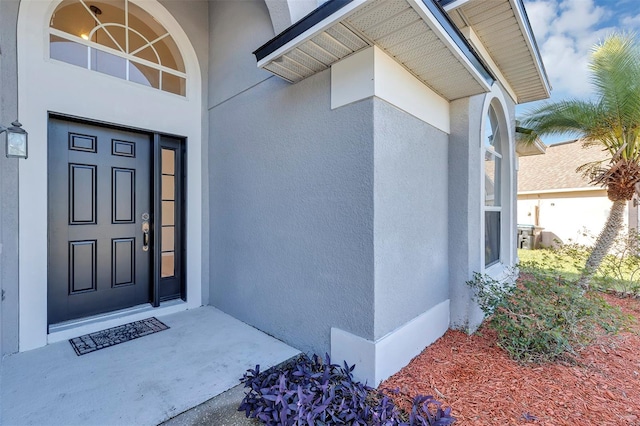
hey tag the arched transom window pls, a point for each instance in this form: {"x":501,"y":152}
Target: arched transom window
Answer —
{"x":118,"y":38}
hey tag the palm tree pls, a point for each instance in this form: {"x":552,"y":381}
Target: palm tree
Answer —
{"x":612,"y":121}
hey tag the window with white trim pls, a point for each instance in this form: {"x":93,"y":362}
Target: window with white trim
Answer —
{"x":492,"y":148}
{"x":117,"y":38}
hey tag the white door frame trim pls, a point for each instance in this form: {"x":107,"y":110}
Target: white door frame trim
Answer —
{"x":45,"y":86}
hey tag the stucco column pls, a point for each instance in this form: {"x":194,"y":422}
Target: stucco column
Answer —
{"x":8,"y":181}
{"x":465,"y":201}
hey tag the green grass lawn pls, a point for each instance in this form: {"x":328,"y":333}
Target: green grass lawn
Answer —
{"x":617,"y":273}
{"x":553,"y":260}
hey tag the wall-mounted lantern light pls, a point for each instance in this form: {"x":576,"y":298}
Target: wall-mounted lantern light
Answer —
{"x":16,"y":144}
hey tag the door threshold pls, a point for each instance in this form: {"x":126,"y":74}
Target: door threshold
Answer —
{"x":74,"y":328}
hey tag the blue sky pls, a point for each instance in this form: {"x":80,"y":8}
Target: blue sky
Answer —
{"x":565,"y":31}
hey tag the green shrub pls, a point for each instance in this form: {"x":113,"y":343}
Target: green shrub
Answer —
{"x":543,"y":317}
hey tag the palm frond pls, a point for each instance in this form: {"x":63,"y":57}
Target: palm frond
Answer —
{"x":612,"y":118}
{"x":573,"y":116}
{"x":615,"y":75}
{"x":591,"y":170}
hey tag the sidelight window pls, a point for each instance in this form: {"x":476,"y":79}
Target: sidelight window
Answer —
{"x":168,"y":225}
{"x":117,"y":38}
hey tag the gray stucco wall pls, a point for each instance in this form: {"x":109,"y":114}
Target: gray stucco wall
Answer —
{"x":237,"y":29}
{"x":292,"y":212}
{"x":411,"y":217}
{"x":8,"y":181}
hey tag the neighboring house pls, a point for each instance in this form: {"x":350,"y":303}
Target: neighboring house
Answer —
{"x":332,"y":195}
{"x":556,"y":197}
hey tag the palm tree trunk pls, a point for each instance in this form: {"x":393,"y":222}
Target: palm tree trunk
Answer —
{"x":603,"y":242}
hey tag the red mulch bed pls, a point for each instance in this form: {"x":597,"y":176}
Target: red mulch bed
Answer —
{"x":484,"y":387}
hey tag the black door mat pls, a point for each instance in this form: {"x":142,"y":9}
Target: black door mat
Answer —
{"x":112,"y":336}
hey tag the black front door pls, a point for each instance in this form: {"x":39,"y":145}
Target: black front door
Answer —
{"x":100,"y":211}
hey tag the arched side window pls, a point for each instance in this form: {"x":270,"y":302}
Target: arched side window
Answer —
{"x":117,"y":38}
{"x":492,"y":147}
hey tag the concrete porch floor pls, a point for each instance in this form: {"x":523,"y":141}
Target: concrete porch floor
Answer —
{"x":141,"y":382}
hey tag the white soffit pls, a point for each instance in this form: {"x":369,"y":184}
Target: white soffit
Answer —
{"x":524,"y":149}
{"x":503,"y":29}
{"x":406,"y":30}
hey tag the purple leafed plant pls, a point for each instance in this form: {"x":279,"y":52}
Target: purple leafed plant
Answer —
{"x":312,"y":391}
{"x":426,"y":411}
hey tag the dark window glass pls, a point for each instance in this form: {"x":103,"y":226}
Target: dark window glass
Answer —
{"x":491,"y":237}
{"x":68,"y":51}
{"x":108,"y":64}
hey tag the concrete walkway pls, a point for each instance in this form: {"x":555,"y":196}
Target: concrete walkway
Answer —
{"x":142,"y":382}
{"x":219,"y":411}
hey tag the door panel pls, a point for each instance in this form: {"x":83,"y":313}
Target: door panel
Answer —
{"x":100,"y":184}
{"x":82,"y":194}
{"x":123,"y":195}
{"x":123,"y":269}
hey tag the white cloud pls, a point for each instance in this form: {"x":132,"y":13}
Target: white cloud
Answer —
{"x":541,"y":13}
{"x":578,"y":17}
{"x":566,"y":30}
{"x":630,"y":22}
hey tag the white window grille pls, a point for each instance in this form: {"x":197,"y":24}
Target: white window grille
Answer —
{"x":492,"y":148}
{"x":117,"y":38}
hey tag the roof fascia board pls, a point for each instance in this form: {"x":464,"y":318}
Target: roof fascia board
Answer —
{"x":473,"y":38}
{"x":560,"y":190}
{"x":448,"y":5}
{"x":540,"y":145}
{"x":525,"y":26}
{"x":433,"y":13}
{"x":315,"y":22}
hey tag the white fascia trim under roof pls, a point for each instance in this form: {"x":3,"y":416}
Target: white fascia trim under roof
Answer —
{"x":347,"y":10}
{"x":325,"y":24}
{"x":527,"y":32}
{"x":561,"y":190}
{"x":453,"y":4}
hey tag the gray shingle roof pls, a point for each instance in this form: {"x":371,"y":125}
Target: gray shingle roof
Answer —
{"x":557,"y":168}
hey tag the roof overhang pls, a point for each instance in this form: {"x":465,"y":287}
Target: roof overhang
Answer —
{"x":503,"y":28}
{"x":537,"y":147}
{"x":525,"y":145}
{"x":418,"y":34}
